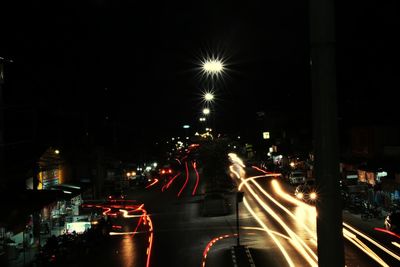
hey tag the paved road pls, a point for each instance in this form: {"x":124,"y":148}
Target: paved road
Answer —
{"x":182,"y":236}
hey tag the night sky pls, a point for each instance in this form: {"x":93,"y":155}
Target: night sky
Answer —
{"x":136,"y":62}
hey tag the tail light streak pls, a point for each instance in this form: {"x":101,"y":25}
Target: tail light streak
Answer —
{"x":144,"y":219}
{"x":210,"y":244}
{"x":153,"y":183}
{"x":197,"y":179}
{"x":166,"y":186}
{"x":187,"y":179}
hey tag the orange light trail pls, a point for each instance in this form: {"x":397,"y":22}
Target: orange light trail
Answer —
{"x":298,"y":243}
{"x":144,"y":219}
{"x":166,"y":186}
{"x":197,"y":179}
{"x":149,"y":248}
{"x":187,"y":179}
{"x":210,"y":244}
{"x":153,"y":183}
{"x":312,"y":233}
{"x":270,"y":233}
{"x":351,"y":237}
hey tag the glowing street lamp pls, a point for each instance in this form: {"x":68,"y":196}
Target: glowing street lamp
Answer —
{"x":208,"y":97}
{"x":206,"y":111}
{"x":212,"y":66}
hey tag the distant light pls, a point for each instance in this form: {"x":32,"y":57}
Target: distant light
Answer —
{"x":213,"y":66}
{"x":266,"y":135}
{"x":206,"y":111}
{"x":67,"y":192}
{"x":238,"y":137}
{"x":186,"y":126}
{"x":57,"y":151}
{"x":173,"y":138}
{"x":202,"y":119}
{"x":128,"y":174}
{"x":155,"y":164}
{"x":187,"y":137}
{"x":208,"y":96}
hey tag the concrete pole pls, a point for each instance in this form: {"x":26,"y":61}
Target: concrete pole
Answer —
{"x":2,"y":141}
{"x":323,"y":70}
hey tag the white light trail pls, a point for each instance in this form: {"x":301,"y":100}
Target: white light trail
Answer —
{"x":269,"y":232}
{"x":298,"y":243}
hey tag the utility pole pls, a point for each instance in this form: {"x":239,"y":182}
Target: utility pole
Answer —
{"x":323,"y":70}
{"x":2,"y":141}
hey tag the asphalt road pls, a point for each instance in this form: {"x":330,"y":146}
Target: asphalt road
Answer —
{"x":277,"y":231}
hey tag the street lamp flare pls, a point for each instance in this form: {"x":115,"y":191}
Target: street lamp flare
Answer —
{"x":206,"y":111}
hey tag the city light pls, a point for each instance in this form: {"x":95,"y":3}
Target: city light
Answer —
{"x":213,"y":66}
{"x":206,"y":111}
{"x":208,"y":96}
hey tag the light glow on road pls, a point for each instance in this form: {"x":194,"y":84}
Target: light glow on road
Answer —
{"x":298,"y":243}
{"x":396,"y":244}
{"x":269,"y":232}
{"x":351,"y":236}
{"x":296,"y":218}
{"x":372,"y":241}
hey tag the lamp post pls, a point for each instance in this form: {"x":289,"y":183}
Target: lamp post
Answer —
{"x":206,"y":111}
{"x":212,"y":66}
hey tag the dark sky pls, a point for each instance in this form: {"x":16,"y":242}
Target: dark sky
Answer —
{"x":146,"y":53}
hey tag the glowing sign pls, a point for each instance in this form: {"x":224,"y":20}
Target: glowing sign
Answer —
{"x":266,"y":135}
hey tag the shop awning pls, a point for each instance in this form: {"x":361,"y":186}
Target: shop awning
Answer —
{"x":69,"y":190}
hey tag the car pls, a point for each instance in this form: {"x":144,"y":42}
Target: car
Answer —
{"x":297,"y":177}
{"x":119,"y":195}
{"x":392,"y":221}
{"x":166,"y":170}
{"x":306,"y":192}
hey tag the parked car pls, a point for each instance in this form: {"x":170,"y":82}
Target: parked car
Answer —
{"x":117,"y":195}
{"x":297,"y":177}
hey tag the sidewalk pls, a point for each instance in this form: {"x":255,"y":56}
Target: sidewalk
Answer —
{"x":24,"y":257}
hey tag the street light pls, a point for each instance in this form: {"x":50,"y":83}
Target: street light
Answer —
{"x":212,"y":66}
{"x":202,"y":119}
{"x":208,"y":97}
{"x":206,"y":111}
